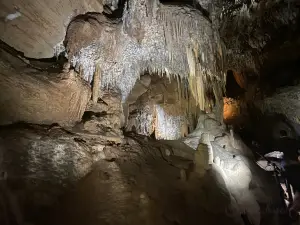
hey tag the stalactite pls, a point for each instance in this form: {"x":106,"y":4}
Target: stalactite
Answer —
{"x":145,"y":121}
{"x":173,"y":40}
{"x":167,"y":127}
{"x":96,"y":84}
{"x":191,"y":62}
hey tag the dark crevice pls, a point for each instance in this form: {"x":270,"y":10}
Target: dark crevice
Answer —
{"x":89,"y":114}
{"x":204,"y":12}
{"x":191,"y":3}
{"x":233,"y":90}
{"x":118,"y":13}
{"x":279,"y":76}
{"x":53,"y":64}
{"x":178,"y":2}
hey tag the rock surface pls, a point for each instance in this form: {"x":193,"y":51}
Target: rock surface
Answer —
{"x":105,"y":117}
{"x":164,"y":107}
{"x":91,"y":174}
{"x":285,"y":101}
{"x":138,"y":180}
{"x":34,"y":96}
{"x":170,"y":40}
{"x":229,"y":157}
{"x":40,"y":163}
{"x":36,"y":28}
{"x":256,"y":33}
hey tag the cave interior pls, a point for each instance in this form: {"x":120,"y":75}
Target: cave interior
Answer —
{"x":149,"y":112}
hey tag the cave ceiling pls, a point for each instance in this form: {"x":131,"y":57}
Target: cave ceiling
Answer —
{"x":195,"y":39}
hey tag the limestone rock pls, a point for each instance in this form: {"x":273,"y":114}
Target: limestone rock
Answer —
{"x":137,"y":174}
{"x":83,"y":30}
{"x":285,"y":101}
{"x":261,"y":39}
{"x":32,"y":96}
{"x":36,"y":28}
{"x":108,"y":124}
{"x":161,"y":110}
{"x":201,"y":159}
{"x":192,"y":142}
{"x":42,"y":162}
{"x":140,"y":87}
{"x":228,"y":158}
{"x":105,"y":117}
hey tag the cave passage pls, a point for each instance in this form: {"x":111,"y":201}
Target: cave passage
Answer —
{"x":233,"y":89}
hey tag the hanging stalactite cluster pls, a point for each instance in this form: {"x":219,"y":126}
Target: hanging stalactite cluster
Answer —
{"x":166,"y":40}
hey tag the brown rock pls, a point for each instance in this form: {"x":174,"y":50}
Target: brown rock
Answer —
{"x":32,"y":96}
{"x":140,"y":87}
{"x":42,"y":165}
{"x":35,"y":27}
{"x":85,"y":29}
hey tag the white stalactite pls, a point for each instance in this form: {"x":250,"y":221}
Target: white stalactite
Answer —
{"x":166,"y":34}
{"x":168,"y":127}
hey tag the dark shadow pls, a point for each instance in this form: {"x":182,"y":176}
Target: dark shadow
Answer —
{"x":89,"y":114}
{"x":233,"y":90}
{"x":191,"y":3}
{"x":118,"y":13}
{"x":284,"y":74}
{"x":54,"y":64}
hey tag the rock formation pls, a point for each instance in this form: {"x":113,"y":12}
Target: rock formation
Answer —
{"x":34,"y":96}
{"x":128,"y":112}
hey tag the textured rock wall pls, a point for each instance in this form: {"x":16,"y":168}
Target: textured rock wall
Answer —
{"x":145,"y":185}
{"x":260,"y":38}
{"x":36,"y":28}
{"x":38,"y":164}
{"x":253,"y":32}
{"x":105,"y":117}
{"x":285,"y":101}
{"x":33,"y":96}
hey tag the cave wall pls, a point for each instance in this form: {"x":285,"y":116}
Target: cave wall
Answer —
{"x":37,"y":28}
{"x":254,"y":32}
{"x":262,"y":42}
{"x":285,"y":101}
{"x":35,"y":96}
